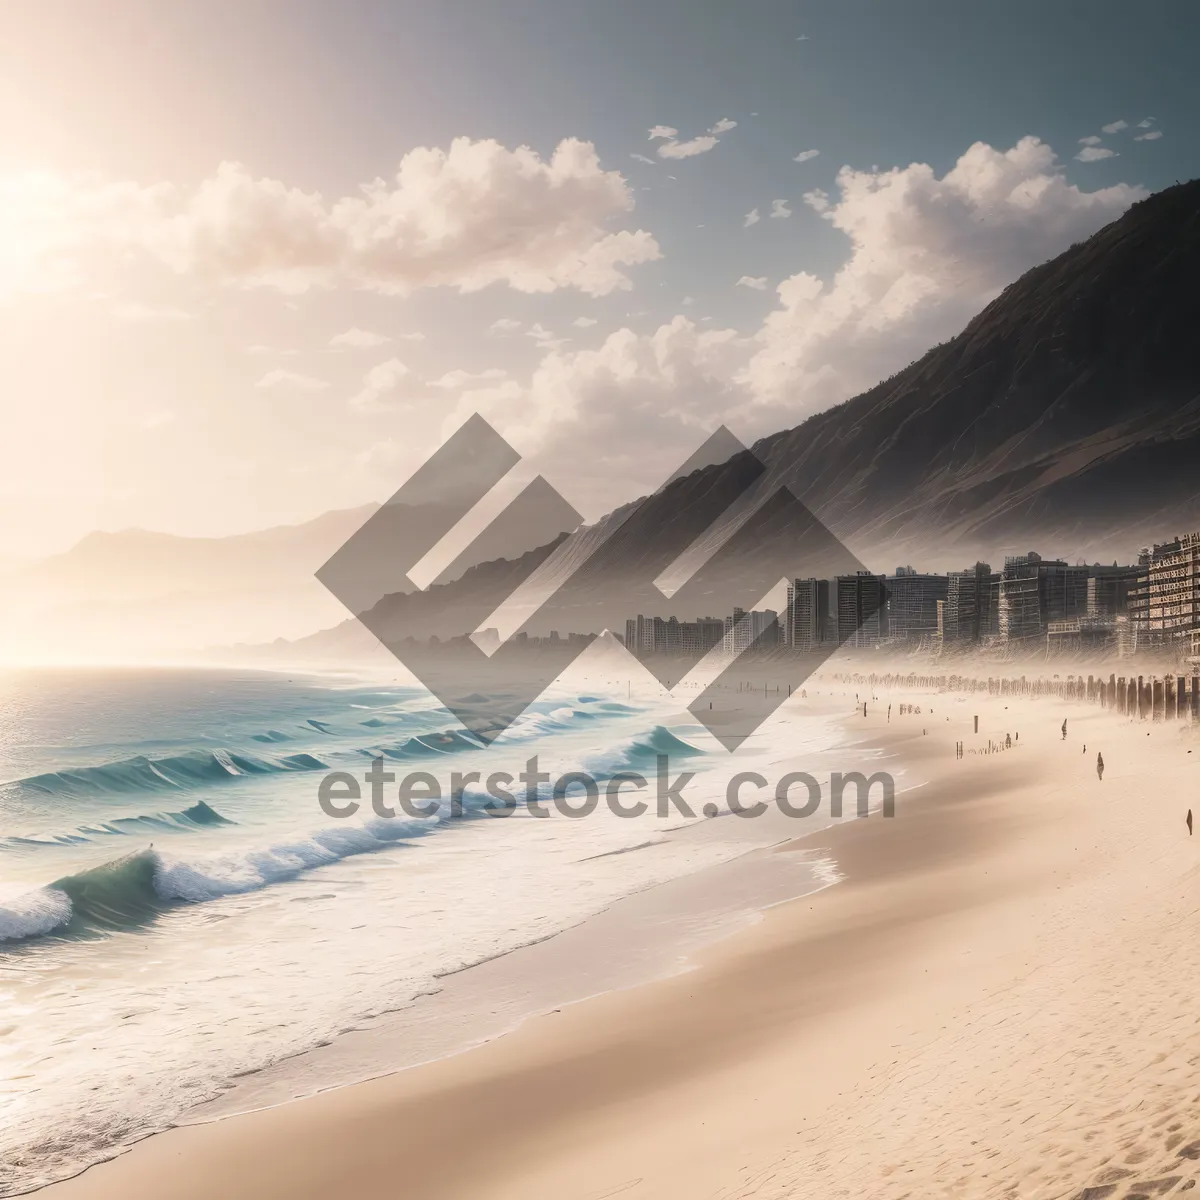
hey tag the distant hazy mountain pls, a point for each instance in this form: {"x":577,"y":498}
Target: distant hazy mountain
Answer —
{"x":140,"y":594}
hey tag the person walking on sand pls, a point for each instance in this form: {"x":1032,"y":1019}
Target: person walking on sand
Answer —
{"x":1100,"y":767}
{"x":1064,"y":729}
{"x":1189,"y":822}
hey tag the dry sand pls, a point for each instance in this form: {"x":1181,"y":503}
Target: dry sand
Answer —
{"x":1000,"y":1000}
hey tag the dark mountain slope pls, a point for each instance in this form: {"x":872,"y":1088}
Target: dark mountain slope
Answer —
{"x":1068,"y":411}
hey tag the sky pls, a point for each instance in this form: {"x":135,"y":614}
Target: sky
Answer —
{"x":258,"y":261}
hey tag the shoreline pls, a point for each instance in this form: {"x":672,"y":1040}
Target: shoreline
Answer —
{"x":727,"y":1074}
{"x":471,"y":1005}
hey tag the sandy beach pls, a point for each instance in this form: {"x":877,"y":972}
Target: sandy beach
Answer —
{"x":998,"y":1000}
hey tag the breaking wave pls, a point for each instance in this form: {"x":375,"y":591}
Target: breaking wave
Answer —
{"x":134,"y":889}
{"x":639,"y":753}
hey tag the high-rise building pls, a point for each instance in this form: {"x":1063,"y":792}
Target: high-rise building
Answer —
{"x":1108,"y":589}
{"x":860,"y":609}
{"x":806,"y":623}
{"x":1164,"y":604}
{"x":658,"y":635}
{"x":1035,"y":591}
{"x":743,"y":630}
{"x":912,"y":603}
{"x":968,"y":604}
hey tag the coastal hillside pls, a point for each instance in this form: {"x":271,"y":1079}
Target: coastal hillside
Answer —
{"x":1066,"y":414}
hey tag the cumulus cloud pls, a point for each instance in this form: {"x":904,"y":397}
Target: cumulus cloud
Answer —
{"x":379,"y":384}
{"x":1151,"y":135}
{"x":724,"y":125}
{"x":638,"y":404}
{"x":1114,"y":127}
{"x":780,"y":210}
{"x":291,"y":381}
{"x":757,"y":283}
{"x":663,"y":131}
{"x":465,"y":217}
{"x":642,"y":158}
{"x":751,"y":218}
{"x":1145,"y":122}
{"x":926,"y":254}
{"x":584,"y":322}
{"x":1090,"y":140}
{"x":1095,"y":154}
{"x":805,"y":155}
{"x":356,"y":338}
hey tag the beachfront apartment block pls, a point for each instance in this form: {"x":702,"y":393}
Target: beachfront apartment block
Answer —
{"x":806,"y":624}
{"x":1164,"y":600}
{"x":972,"y":600}
{"x":860,"y":609}
{"x":912,"y":603}
{"x":1035,"y":591}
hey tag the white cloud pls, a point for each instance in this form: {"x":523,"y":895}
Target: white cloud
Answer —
{"x":642,"y":158}
{"x":1114,"y":127}
{"x":1095,"y":154}
{"x":456,"y":381}
{"x":358,"y":339}
{"x":1090,"y":140}
{"x":503,"y":325}
{"x":378,"y":384}
{"x":757,"y":283}
{"x":688,"y":300}
{"x":466,"y":217}
{"x":1151,"y":135}
{"x":639,"y":405}
{"x":780,"y":210}
{"x":803,"y":38}
{"x":672,"y":147}
{"x":805,"y":155}
{"x":1145,"y":122}
{"x":689,"y":149}
{"x":751,"y":218}
{"x":291,"y":381}
{"x":584,"y":322}
{"x":926,"y":254}
{"x":415,"y":336}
